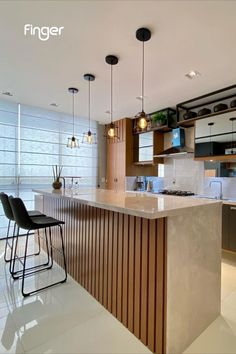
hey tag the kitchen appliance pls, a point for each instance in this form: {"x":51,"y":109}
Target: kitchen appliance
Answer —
{"x":178,"y":193}
{"x":178,"y":144}
{"x":210,"y":148}
{"x":140,"y":183}
{"x":149,"y":186}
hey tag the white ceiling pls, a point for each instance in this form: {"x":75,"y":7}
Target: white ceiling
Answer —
{"x":186,"y":35}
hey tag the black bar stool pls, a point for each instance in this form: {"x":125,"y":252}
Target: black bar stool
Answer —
{"x":9,"y":215}
{"x":24,"y":221}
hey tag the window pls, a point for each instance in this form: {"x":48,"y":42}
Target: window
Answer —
{"x":32,"y":140}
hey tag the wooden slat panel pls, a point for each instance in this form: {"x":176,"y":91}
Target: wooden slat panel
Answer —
{"x":101,"y":257}
{"x":144,"y":281}
{"x":120,"y":266}
{"x":159,"y":301}
{"x":131,"y":274}
{"x":125,"y":271}
{"x":137,"y":277}
{"x":98,"y":222}
{"x":105,"y":257}
{"x":115,"y":264}
{"x":120,"y":260}
{"x":151,"y":285}
{"x":110,"y":260}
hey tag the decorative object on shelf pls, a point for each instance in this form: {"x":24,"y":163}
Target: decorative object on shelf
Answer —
{"x":111,"y":130}
{"x":189,"y":115}
{"x":224,"y":96}
{"x":233,"y":104}
{"x":143,"y":35}
{"x":89,"y":137}
{"x":220,"y":107}
{"x":159,"y":118}
{"x":73,"y":142}
{"x":57,"y":175}
{"x":204,"y":112}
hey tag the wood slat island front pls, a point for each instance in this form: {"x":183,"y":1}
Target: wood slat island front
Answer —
{"x":120,"y":259}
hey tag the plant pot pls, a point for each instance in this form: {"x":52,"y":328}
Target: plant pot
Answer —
{"x":57,"y":184}
{"x":159,"y":124}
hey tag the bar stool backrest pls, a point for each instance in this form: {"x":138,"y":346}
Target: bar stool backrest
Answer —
{"x":6,"y":206}
{"x":21,"y":215}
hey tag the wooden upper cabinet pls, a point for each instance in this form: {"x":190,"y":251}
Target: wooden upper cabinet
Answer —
{"x":120,"y":156}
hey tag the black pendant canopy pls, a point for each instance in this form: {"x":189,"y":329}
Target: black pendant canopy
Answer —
{"x":111,"y":59}
{"x":89,"y":77}
{"x":73,"y":90}
{"x":143,"y":35}
{"x":111,"y":129}
{"x":89,"y":137}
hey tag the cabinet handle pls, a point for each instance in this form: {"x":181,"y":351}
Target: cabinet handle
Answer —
{"x":232,"y":208}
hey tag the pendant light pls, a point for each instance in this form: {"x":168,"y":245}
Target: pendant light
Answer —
{"x":232,"y":140}
{"x":143,"y":35}
{"x":89,"y":137}
{"x":73,"y":141}
{"x":111,"y":129}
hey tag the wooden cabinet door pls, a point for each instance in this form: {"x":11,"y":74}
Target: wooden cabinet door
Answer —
{"x":232,"y":227}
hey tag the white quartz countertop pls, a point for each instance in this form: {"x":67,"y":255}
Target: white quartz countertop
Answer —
{"x":138,"y":204}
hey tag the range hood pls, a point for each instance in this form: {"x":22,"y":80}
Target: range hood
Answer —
{"x":178,"y":145}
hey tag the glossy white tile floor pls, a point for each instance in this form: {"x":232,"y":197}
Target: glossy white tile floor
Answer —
{"x":220,"y":336}
{"x":66,"y":319}
{"x":63,"y":319}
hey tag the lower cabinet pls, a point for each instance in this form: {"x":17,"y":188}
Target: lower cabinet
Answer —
{"x":229,"y":227}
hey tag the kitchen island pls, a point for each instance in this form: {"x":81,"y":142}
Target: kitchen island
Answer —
{"x":153,"y":261}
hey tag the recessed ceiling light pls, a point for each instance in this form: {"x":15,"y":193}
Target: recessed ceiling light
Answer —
{"x":7,"y":93}
{"x":54,"y":104}
{"x":193,"y":74}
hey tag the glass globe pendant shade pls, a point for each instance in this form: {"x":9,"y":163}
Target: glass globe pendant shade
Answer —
{"x":72,"y":142}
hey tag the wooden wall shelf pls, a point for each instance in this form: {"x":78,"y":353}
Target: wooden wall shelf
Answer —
{"x":161,"y":129}
{"x":190,"y":122}
{"x":225,"y":158}
{"x":143,"y":163}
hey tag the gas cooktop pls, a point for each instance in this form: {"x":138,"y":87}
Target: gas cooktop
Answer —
{"x":176,"y":192}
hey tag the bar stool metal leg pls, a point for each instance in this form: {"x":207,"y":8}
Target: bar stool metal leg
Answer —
{"x":18,"y":274}
{"x":25,"y":294}
{"x":7,"y":242}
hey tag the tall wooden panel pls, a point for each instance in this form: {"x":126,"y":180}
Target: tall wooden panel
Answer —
{"x":120,"y":260}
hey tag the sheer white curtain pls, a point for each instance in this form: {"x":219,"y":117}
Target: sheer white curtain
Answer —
{"x":31,"y":141}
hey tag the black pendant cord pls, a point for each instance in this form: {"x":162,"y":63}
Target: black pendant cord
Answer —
{"x":89,"y":98}
{"x":143,"y":78}
{"x":73,"y":103}
{"x":111,"y":94}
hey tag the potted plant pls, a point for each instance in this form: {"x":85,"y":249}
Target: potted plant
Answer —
{"x":57,"y":175}
{"x":159,"y":118}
